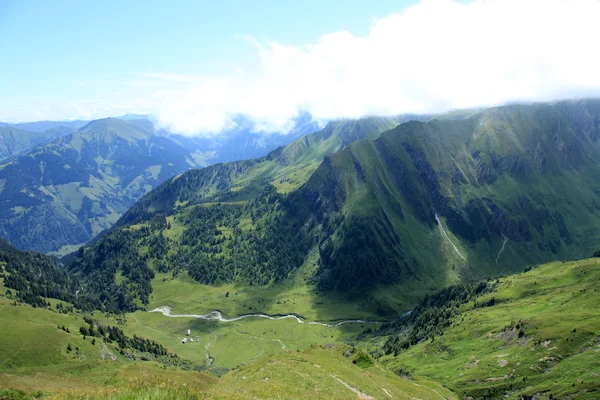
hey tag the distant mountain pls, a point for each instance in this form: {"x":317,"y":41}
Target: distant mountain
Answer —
{"x":80,"y":184}
{"x":41,"y":126}
{"x":425,"y":204}
{"x":66,"y":192}
{"x":14,"y":141}
{"x":244,"y":141}
{"x":131,"y":117}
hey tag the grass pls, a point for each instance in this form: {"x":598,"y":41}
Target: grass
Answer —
{"x":322,"y":372}
{"x":34,"y":356}
{"x":236,"y":343}
{"x":481,"y":354}
{"x":332,"y":372}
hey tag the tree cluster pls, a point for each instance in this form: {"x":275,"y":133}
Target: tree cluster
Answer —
{"x":433,"y":315}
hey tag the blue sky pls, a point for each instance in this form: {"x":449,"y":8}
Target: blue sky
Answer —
{"x":193,"y":64}
{"x":60,"y":49}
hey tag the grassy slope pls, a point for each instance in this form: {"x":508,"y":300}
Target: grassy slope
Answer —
{"x":14,"y":141}
{"x":33,"y":359}
{"x":526,"y":172}
{"x":323,"y":372}
{"x":33,"y":356}
{"x":558,"y":354}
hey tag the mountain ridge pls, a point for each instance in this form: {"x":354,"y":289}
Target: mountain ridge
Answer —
{"x":426,"y":203}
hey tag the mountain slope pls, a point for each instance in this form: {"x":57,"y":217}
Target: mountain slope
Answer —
{"x":459,"y":200}
{"x":424,"y":205}
{"x":287,"y":168}
{"x":14,"y":141}
{"x":80,"y":184}
{"x":534,"y":336}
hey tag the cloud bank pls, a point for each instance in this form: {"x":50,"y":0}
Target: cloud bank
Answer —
{"x":434,"y":56}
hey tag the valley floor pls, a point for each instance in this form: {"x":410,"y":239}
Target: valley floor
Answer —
{"x":539,"y":336}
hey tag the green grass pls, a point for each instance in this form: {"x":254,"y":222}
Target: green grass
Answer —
{"x":558,"y":354}
{"x":291,"y":357}
{"x":232,"y":344}
{"x":322,"y":372}
{"x":34,"y":356}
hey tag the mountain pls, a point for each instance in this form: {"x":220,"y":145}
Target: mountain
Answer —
{"x":80,"y":184}
{"x":286,"y":168}
{"x":244,"y":141}
{"x":448,"y":201}
{"x":424,"y":205}
{"x":534,"y":335}
{"x":15,"y":141}
{"x":42,"y":126}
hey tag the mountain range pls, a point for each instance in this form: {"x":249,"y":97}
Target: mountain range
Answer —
{"x":426,"y":203}
{"x":373,"y":258}
{"x":77,"y":178}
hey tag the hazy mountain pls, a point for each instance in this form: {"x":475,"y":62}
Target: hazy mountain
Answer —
{"x":14,"y":141}
{"x":41,"y":126}
{"x":80,"y":184}
{"x":243,"y":141}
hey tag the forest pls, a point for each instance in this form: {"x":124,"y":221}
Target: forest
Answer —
{"x":433,"y":315}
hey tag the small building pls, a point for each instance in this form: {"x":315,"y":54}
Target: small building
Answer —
{"x":183,"y":340}
{"x":189,"y":332}
{"x":191,"y":340}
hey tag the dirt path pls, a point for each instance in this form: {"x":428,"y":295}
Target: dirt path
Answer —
{"x":148,"y":327}
{"x":361,"y":395}
{"x":210,"y":358}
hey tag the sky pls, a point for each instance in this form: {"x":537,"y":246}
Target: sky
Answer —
{"x":195,"y":64}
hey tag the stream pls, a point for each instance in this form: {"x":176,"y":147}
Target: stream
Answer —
{"x":217,"y":316}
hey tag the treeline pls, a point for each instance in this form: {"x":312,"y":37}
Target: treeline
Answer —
{"x":366,"y":253}
{"x":117,"y":253}
{"x":597,"y":254}
{"x":112,"y":334}
{"x":433,"y":315}
{"x":35,"y":276}
{"x":258,"y":242}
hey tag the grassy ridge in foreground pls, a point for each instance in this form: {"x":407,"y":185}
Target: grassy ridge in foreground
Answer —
{"x":542,"y":335}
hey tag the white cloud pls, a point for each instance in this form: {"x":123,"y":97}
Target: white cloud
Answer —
{"x":434,"y":56}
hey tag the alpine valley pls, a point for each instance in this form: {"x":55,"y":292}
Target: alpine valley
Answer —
{"x":75,"y":179}
{"x":447,"y":256}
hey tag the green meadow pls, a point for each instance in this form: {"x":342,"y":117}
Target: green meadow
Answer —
{"x":542,"y":335}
